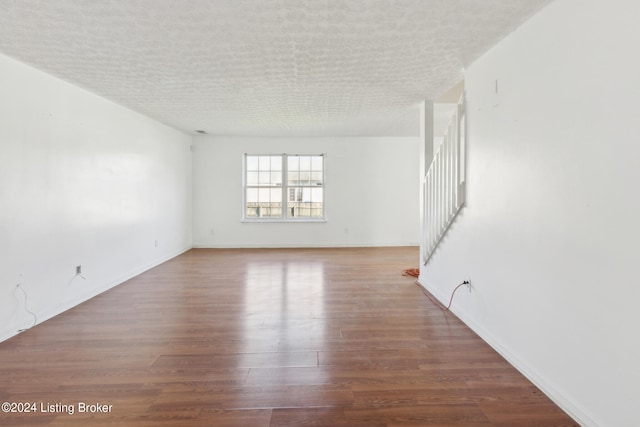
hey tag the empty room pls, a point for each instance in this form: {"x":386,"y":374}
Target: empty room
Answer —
{"x":330,"y":213}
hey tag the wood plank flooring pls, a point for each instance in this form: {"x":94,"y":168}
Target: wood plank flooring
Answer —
{"x":281,"y":337}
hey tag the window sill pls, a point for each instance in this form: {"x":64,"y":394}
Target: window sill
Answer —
{"x":282,"y":221}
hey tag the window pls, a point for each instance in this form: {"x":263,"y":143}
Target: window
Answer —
{"x":284,"y":187}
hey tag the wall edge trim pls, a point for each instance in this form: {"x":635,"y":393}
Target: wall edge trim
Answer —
{"x":579,"y":414}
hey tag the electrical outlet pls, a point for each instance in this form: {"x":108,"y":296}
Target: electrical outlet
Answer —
{"x":468,"y":282}
{"x":78,"y":269}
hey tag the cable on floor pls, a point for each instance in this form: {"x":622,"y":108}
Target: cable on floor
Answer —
{"x":413,"y":272}
{"x":438,"y":304}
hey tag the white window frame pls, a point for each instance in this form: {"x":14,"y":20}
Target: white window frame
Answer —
{"x":285,"y":187}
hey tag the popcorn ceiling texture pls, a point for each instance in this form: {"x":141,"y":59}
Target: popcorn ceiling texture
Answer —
{"x":262,"y":67}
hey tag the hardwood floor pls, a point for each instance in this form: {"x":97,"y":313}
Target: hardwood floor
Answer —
{"x":291,"y":337}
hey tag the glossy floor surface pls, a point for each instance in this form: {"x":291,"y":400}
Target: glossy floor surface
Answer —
{"x":318,"y":337}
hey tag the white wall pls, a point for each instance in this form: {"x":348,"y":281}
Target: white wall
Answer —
{"x":86,"y":182}
{"x":550,"y":234}
{"x":370,"y":193}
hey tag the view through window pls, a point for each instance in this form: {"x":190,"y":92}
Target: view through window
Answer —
{"x":284,"y":187}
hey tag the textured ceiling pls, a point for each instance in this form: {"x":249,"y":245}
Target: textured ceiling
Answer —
{"x":262,"y":67}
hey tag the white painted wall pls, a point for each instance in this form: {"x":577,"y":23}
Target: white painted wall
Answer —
{"x":86,"y":182}
{"x":370,"y":193}
{"x":550,"y":233}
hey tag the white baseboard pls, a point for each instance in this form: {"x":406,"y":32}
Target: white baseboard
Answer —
{"x":305,"y":245}
{"x":79,"y":299}
{"x":580,"y":415}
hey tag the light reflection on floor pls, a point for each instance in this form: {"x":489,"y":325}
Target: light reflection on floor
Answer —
{"x":283,"y":303}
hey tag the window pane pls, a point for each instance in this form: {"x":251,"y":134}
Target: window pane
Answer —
{"x":316,"y":163}
{"x":252,"y":163}
{"x":276,"y":178}
{"x":264,"y":195}
{"x":252,"y":178}
{"x":265,"y":163}
{"x":251,"y":208}
{"x":276,"y":163}
{"x":264,"y":178}
{"x":305,"y":202}
{"x":293,"y":163}
{"x":276,"y":195}
{"x":293,"y":178}
{"x":304,"y":177}
{"x":316,"y":195}
{"x":316,"y":178}
{"x":252,"y":195}
{"x":276,"y":211}
{"x":305,"y":163}
{"x":295,"y":195}
{"x":306,"y":194}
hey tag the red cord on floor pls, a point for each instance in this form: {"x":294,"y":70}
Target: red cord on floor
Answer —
{"x":453,"y":293}
{"x":413,"y":272}
{"x":440,"y":306}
